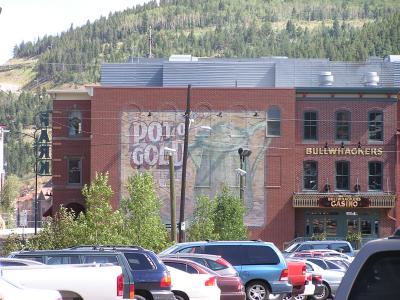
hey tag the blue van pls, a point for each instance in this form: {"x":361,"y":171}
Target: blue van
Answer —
{"x":261,"y":266}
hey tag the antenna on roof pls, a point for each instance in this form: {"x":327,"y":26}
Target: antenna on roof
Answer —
{"x":150,"y":42}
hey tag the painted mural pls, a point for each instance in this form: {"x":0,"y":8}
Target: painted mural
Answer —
{"x":214,"y":140}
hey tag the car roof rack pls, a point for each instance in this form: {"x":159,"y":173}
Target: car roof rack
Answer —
{"x":113,"y":247}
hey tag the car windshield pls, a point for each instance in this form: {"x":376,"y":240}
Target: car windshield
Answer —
{"x":291,"y":248}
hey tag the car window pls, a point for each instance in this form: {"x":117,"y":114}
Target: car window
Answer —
{"x":309,"y":268}
{"x":332,"y":265}
{"x":195,"y":249}
{"x":304,"y":247}
{"x":11,"y":264}
{"x":231,"y":253}
{"x":379,"y":278}
{"x":100,"y":259}
{"x":139,"y":261}
{"x":260,"y":255}
{"x":337,"y":246}
{"x":318,"y":262}
{"x":62,"y":260}
{"x":292,"y":248}
{"x":196,"y":259}
{"x":215,"y":266}
{"x":34,"y":258}
{"x":320,"y":246}
{"x":183,"y":267}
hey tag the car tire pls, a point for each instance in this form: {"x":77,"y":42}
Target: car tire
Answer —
{"x":257,"y":290}
{"x":180,"y":296}
{"x":325,"y":293}
{"x":138,"y":297}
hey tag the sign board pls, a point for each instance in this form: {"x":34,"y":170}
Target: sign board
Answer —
{"x":344,"y":201}
{"x":339,"y":151}
{"x":23,"y":218}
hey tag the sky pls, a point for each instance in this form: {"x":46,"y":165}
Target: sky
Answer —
{"x":26,"y":20}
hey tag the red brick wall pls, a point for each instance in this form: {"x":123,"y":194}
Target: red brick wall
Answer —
{"x":65,"y":146}
{"x":359,"y":109}
{"x":108,"y":103}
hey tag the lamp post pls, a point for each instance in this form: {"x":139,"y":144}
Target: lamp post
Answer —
{"x":169,"y":152}
{"x":243,"y":153}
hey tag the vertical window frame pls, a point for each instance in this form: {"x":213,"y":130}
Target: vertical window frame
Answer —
{"x":310,"y":176}
{"x":276,"y":120}
{"x":343,"y":123}
{"x":342,"y":175}
{"x":374,"y":123}
{"x":380,"y":163}
{"x":69,"y":159}
{"x":309,"y":126}
{"x":71,"y":127}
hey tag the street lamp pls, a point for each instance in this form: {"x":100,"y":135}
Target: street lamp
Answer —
{"x":35,"y":147}
{"x":243,"y":153}
{"x":170,"y":152}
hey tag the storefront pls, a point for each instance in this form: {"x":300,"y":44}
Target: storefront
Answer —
{"x":338,"y":216}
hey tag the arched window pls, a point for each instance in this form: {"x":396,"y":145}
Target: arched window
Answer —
{"x":343,"y":119}
{"x":274,"y":121}
{"x":75,"y":123}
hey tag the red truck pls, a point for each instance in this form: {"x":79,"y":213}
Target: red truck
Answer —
{"x":297,"y":275}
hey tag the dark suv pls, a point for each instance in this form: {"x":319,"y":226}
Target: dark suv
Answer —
{"x":152,"y":279}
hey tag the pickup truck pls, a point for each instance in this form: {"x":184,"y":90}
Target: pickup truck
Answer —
{"x":74,"y":282}
{"x":374,"y":272}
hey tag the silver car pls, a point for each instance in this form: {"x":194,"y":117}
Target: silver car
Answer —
{"x":14,"y":262}
{"x":330,"y":279}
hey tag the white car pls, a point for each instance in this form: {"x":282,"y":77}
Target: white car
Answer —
{"x":194,"y":286}
{"x":12,"y":291}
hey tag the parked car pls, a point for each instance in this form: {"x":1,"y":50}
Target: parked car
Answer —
{"x":231,"y":286}
{"x":213,"y":262}
{"x":261,"y":266}
{"x":67,"y":256}
{"x":297,"y":276}
{"x":330,"y":280}
{"x":152,"y":279}
{"x":326,"y":264}
{"x":374,"y":273}
{"x":323,"y":253}
{"x":13,"y":291}
{"x":15,"y":262}
{"x":193,"y":286}
{"x":88,"y":281}
{"x":340,"y":246}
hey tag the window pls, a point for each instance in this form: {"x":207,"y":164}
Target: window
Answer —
{"x":74,"y":171}
{"x":139,"y":261}
{"x":310,"y":125}
{"x":342,"y":175}
{"x":310,"y":181}
{"x":181,"y":266}
{"x":195,"y":249}
{"x":341,"y":247}
{"x":378,"y":278}
{"x":343,"y":126}
{"x":100,"y":259}
{"x":375,"y":176}
{"x":260,"y":255}
{"x":375,"y":126}
{"x":274,"y":122}
{"x":233,"y":254}
{"x":62,"y":260}
{"x":75,"y":123}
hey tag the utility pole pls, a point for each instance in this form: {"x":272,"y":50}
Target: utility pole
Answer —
{"x":184,"y":165}
{"x":170,"y":153}
{"x":150,"y":43}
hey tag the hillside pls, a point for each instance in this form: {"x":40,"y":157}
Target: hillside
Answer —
{"x":337,"y":29}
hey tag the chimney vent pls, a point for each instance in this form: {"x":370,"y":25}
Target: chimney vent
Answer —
{"x":325,"y":79}
{"x":371,"y":79}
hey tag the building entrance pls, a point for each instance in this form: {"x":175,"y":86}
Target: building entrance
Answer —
{"x":338,"y":224}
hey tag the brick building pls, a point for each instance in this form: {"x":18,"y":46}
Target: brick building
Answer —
{"x":323,"y":153}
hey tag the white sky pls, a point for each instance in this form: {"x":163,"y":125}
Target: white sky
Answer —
{"x":26,"y":20}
